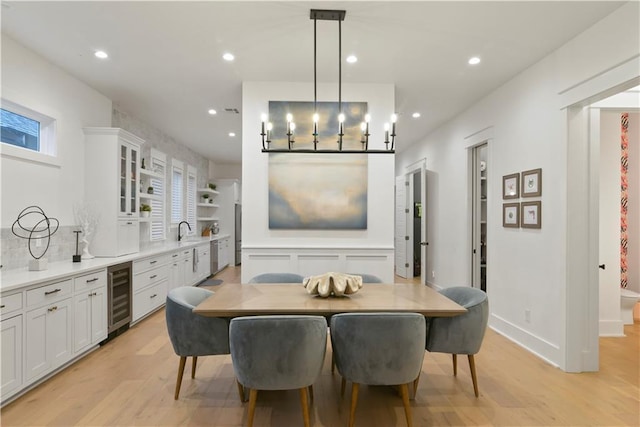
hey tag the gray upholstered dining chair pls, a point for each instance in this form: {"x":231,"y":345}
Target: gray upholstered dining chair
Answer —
{"x":278,"y":353}
{"x":368,"y":278}
{"x":378,"y":349}
{"x":277,"y":278}
{"x":461,"y":334}
{"x":193,"y":335}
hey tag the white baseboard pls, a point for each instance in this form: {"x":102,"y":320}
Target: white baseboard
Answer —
{"x":610,"y":328}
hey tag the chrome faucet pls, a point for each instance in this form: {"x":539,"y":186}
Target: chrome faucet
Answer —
{"x":179,"y":235}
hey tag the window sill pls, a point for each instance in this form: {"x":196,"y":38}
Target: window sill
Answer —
{"x":17,"y":153}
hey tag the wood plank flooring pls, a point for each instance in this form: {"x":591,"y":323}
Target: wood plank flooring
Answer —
{"x":130,"y":382}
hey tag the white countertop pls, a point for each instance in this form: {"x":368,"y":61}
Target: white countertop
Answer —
{"x":21,"y":277}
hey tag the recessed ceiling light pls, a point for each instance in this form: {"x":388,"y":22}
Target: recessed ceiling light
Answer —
{"x":351,"y":59}
{"x":228,"y":57}
{"x":232,"y":134}
{"x":415,"y":115}
{"x":101,"y":54}
{"x":474,"y":60}
{"x":212,"y":112}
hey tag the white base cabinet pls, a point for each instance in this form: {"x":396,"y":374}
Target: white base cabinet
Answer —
{"x":90,"y":310}
{"x":48,"y":338}
{"x":150,"y":279}
{"x":11,"y":355}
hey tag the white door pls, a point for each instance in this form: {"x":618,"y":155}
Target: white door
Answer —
{"x":401,"y":233}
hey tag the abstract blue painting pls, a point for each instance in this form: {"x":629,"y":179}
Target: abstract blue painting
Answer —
{"x":318,"y":191}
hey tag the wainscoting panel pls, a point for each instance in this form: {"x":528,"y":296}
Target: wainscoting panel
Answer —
{"x":312,"y":261}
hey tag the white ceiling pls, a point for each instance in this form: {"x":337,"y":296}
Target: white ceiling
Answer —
{"x":166,"y":67}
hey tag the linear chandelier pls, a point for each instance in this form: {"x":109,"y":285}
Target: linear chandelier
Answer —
{"x":267,"y":126}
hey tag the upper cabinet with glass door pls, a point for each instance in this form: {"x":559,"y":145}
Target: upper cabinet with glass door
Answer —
{"x":128,"y":173}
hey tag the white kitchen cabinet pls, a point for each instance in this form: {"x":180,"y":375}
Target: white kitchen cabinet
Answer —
{"x":48,"y":337}
{"x":150,"y":285}
{"x":11,"y":338}
{"x":176,"y":271}
{"x":204,"y":262}
{"x":112,"y":172}
{"x":90,"y":310}
{"x":223,"y":252}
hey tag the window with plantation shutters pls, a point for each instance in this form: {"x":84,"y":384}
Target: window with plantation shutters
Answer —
{"x":191,"y":197}
{"x":177,"y":191}
{"x":158,"y":182}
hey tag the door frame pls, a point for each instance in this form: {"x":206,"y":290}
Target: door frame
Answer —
{"x":420,"y":167}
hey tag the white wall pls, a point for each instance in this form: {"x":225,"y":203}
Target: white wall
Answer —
{"x":256,"y":235}
{"x":527,"y":268}
{"x":225,"y":170}
{"x":29,"y":80}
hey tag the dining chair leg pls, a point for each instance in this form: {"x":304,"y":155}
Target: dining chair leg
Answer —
{"x":183,"y":361}
{"x":354,"y":403}
{"x":343,"y":384}
{"x":472,"y":367}
{"x":193,"y":366}
{"x":240,"y":391}
{"x":311,"y":393}
{"x":305,"y":406}
{"x":455,"y":364}
{"x":253,"y":396}
{"x":404,"y":392}
{"x":415,"y":383}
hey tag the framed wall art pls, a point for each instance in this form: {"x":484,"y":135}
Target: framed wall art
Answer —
{"x":532,"y":183}
{"x":511,"y":215}
{"x":531,"y":214}
{"x":511,"y":186}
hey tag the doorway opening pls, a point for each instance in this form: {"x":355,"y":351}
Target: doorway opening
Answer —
{"x":479,"y":186}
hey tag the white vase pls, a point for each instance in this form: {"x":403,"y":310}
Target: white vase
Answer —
{"x":144,"y":214}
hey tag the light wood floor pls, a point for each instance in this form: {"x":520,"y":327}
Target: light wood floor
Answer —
{"x":130,"y":382}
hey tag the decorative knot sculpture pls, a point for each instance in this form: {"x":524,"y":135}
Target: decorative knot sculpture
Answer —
{"x":332,"y":284}
{"x":33,"y":224}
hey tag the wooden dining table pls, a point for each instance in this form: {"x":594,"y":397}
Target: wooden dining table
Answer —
{"x":235,"y":299}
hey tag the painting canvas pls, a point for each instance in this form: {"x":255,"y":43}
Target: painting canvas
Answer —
{"x":318,"y":191}
{"x":302,"y":112}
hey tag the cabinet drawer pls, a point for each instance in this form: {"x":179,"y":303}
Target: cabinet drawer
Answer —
{"x":149,"y":263}
{"x":97,"y":278}
{"x":142,"y":280}
{"x":10,"y":303}
{"x":149,"y":299}
{"x":49,"y":293}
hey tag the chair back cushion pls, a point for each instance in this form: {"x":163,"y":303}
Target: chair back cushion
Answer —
{"x":461,"y":334}
{"x":277,"y":278}
{"x":368,"y":278}
{"x":277,"y":352}
{"x":378,"y":348}
{"x":192,"y":334}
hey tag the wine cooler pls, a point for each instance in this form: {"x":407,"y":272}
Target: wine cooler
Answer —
{"x":120,"y":296}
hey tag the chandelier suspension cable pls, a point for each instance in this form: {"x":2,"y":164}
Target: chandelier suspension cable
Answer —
{"x":267,"y":126}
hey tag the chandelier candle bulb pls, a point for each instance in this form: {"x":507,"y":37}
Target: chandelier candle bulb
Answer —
{"x":269,"y":128}
{"x":386,"y":133}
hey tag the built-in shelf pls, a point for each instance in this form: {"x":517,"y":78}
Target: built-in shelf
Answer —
{"x":212,"y":218}
{"x":208,"y":191}
{"x":150,"y":173}
{"x":208,"y":205}
{"x":150,"y":196}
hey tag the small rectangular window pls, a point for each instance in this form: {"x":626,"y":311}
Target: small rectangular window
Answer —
{"x":19,"y":130}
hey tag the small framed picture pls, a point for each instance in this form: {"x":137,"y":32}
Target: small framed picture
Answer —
{"x":511,"y":186}
{"x":511,"y":215}
{"x":531,"y":214}
{"x":532,"y":183}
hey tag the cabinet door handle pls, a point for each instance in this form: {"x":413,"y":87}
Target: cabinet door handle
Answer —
{"x":129,"y":223}
{"x":92,"y":280}
{"x":54,"y":308}
{"x":175,"y":264}
{"x":2,"y":306}
{"x":174,"y":255}
{"x":153,"y":262}
{"x":153,"y":277}
{"x":129,"y":213}
{"x":93,"y":294}
{"x":52,"y":292}
{"x":153,"y":296}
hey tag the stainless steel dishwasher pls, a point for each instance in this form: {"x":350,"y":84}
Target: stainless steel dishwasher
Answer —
{"x":214,"y":256}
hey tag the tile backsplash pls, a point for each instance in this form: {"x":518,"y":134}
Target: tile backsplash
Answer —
{"x":15,"y":250}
